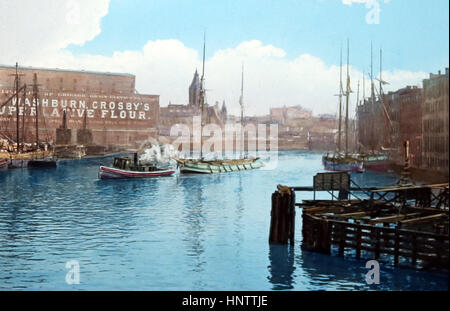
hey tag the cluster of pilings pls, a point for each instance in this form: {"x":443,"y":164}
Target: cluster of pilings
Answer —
{"x":282,"y":225}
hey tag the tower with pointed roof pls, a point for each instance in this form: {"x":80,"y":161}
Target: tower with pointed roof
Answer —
{"x":223,"y":111}
{"x":194,"y":91}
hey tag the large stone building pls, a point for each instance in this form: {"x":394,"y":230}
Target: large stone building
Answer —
{"x":435,"y":122}
{"x":105,"y":103}
{"x":419,"y":115}
{"x":292,"y":114}
{"x":405,"y":114}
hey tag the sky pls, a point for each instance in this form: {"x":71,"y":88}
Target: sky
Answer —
{"x":290,"y":48}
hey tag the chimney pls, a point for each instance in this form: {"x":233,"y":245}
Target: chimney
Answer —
{"x":439,"y":72}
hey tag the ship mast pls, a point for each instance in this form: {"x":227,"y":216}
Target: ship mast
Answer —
{"x":36,"y":103}
{"x":24,"y":114}
{"x":16,"y":86}
{"x":340,"y":105}
{"x":202,"y":97}
{"x":347,"y":94}
{"x":372,"y":96}
{"x":364,"y":88}
{"x":241,"y":102}
{"x":383,"y":106}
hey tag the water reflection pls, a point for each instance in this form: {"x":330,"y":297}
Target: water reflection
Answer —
{"x":194,"y":219}
{"x":239,"y":212}
{"x":281,"y":267}
{"x":332,"y":272}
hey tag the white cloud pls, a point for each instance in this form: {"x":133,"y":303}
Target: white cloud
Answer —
{"x":31,"y":29}
{"x":350,"y":2}
{"x":166,"y":67}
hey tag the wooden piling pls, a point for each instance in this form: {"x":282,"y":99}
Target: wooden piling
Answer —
{"x":282,"y":224}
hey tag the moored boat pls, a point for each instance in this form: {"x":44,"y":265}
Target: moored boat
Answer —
{"x":340,"y":163}
{"x":125,"y":167}
{"x":223,"y":166}
{"x":343,"y":161}
{"x":375,"y":162}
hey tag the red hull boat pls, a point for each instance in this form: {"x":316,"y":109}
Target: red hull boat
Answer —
{"x":111,"y":173}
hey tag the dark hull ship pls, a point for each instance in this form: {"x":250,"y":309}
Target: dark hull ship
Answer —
{"x":343,"y":162}
{"x":377,"y":159}
{"x":125,"y":167}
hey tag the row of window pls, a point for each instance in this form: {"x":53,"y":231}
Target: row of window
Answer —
{"x":431,"y":162}
{"x":433,"y":126}
{"x":435,"y":144}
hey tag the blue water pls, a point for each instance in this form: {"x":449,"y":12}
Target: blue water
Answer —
{"x":193,"y":232}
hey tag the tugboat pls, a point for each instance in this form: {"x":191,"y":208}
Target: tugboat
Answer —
{"x":125,"y":167}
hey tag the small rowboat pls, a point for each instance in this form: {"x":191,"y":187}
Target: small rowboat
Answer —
{"x":127,"y":168}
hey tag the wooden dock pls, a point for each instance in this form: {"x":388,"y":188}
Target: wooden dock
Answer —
{"x":402,"y":225}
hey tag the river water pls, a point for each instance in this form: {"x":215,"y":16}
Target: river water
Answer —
{"x":194,"y":232}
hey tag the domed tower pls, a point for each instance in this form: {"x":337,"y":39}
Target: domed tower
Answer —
{"x":194,"y":91}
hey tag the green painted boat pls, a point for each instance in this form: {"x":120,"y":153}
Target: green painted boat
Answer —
{"x":211,"y":167}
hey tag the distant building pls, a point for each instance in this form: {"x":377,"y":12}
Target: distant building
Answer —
{"x":194,"y":91}
{"x":435,"y":128}
{"x":327,"y":117}
{"x":285,"y":114}
{"x":183,"y":114}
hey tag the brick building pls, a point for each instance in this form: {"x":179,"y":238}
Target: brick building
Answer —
{"x":435,"y":122}
{"x":405,"y":112}
{"x":115,"y":113}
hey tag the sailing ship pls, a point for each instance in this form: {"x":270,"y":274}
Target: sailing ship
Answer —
{"x":125,"y":167}
{"x":23,"y":155}
{"x":343,"y":161}
{"x":377,"y":160}
{"x":202,"y":166}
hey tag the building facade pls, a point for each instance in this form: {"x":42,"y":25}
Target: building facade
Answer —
{"x":405,"y":116}
{"x":105,"y":103}
{"x":435,"y":128}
